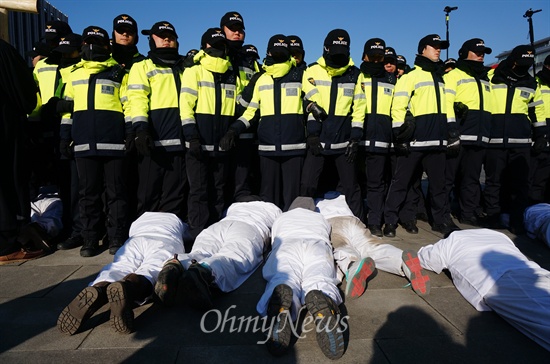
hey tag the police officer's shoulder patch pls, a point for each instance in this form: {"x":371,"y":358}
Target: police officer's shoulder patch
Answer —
{"x":312,"y":81}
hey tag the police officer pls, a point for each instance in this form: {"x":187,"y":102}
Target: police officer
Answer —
{"x":153,"y":105}
{"x":331,"y":85}
{"x":125,"y":39}
{"x":540,"y":156}
{"x":278,"y":96}
{"x":390,"y":63}
{"x":423,"y":91}
{"x":402,"y":66}
{"x":450,"y":64}
{"x":244,"y":157}
{"x":95,"y":133}
{"x":207,"y":107}
{"x":512,"y":126}
{"x":297,"y":51}
{"x":377,"y":93}
{"x":468,"y":94}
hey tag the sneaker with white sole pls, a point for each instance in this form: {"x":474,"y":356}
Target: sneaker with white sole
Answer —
{"x":420,"y":281}
{"x":278,"y":315}
{"x":326,"y":315}
{"x":357,"y":275}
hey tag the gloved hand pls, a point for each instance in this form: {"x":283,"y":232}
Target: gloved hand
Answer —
{"x":402,"y":149}
{"x":540,"y":144}
{"x":461,"y":110}
{"x":65,"y":106}
{"x":406,"y":131}
{"x":314,"y":144}
{"x":351,"y":150}
{"x":66,"y":148}
{"x":317,"y":111}
{"x":144,"y":143}
{"x":130,"y":144}
{"x":453,"y":143}
{"x":195,"y":149}
{"x":49,"y":110}
{"x":227,"y":142}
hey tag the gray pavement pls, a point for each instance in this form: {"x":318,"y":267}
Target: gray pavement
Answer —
{"x":388,"y":324}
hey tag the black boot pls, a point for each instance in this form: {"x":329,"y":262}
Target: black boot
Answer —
{"x":90,"y":248}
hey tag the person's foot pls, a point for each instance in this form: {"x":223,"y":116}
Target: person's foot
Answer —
{"x":326,"y":315}
{"x":357,"y":275}
{"x":472,"y":221}
{"x":168,"y":279}
{"x":115,"y":245}
{"x":21,"y":255}
{"x":420,"y":281}
{"x":410,"y":227}
{"x":278,"y":315}
{"x":122,"y":315}
{"x":194,"y":287}
{"x":389,"y":230}
{"x":71,"y":243}
{"x":422,"y":216}
{"x":81,"y":308}
{"x":89,"y":248}
{"x":444,"y":228}
{"x":376,"y":230}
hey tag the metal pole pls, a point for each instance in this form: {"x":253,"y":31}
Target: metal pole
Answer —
{"x":447,"y":11}
{"x":529,"y":15}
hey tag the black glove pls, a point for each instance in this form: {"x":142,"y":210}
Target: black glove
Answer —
{"x":314,"y":144}
{"x":540,"y":144}
{"x":402,"y":149}
{"x":144,"y":143}
{"x":64,"y":106}
{"x":351,"y":150}
{"x":227,"y":142}
{"x":130,"y":144}
{"x":49,"y":110}
{"x":453,"y":143}
{"x":66,"y":148}
{"x":406,"y":131}
{"x":317,"y":111}
{"x":195,"y":149}
{"x":461,"y":111}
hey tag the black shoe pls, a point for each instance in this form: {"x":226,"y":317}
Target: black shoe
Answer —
{"x":472,"y":221}
{"x":376,"y":231}
{"x":88,"y":301}
{"x":410,"y":227}
{"x":89,"y":248}
{"x":329,"y":334}
{"x":166,"y":287}
{"x":492,"y":222}
{"x":445,"y":229}
{"x":278,"y":315}
{"x":422,"y":216}
{"x":122,"y":315}
{"x":71,"y":243}
{"x":389,"y":230}
{"x":194,"y":287}
{"x":114,"y":245}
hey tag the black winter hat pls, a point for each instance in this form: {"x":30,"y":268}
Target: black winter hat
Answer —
{"x":98,"y":34}
{"x":374,"y":46}
{"x":250,"y":51}
{"x":432,"y":40}
{"x":125,"y":21}
{"x":56,"y":29}
{"x":450,"y":62}
{"x":391,"y":54}
{"x":214,"y":37}
{"x":523,"y":55}
{"x":296,"y":44}
{"x":39,"y":49}
{"x":475,"y":45}
{"x":69,"y":43}
{"x":401,"y":60}
{"x":338,"y":42}
{"x":279,"y":43}
{"x":231,"y":18}
{"x":160,"y":28}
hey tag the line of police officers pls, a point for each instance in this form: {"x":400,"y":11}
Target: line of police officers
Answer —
{"x":188,"y":135}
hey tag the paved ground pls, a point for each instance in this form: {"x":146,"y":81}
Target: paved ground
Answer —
{"x":388,"y":324}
